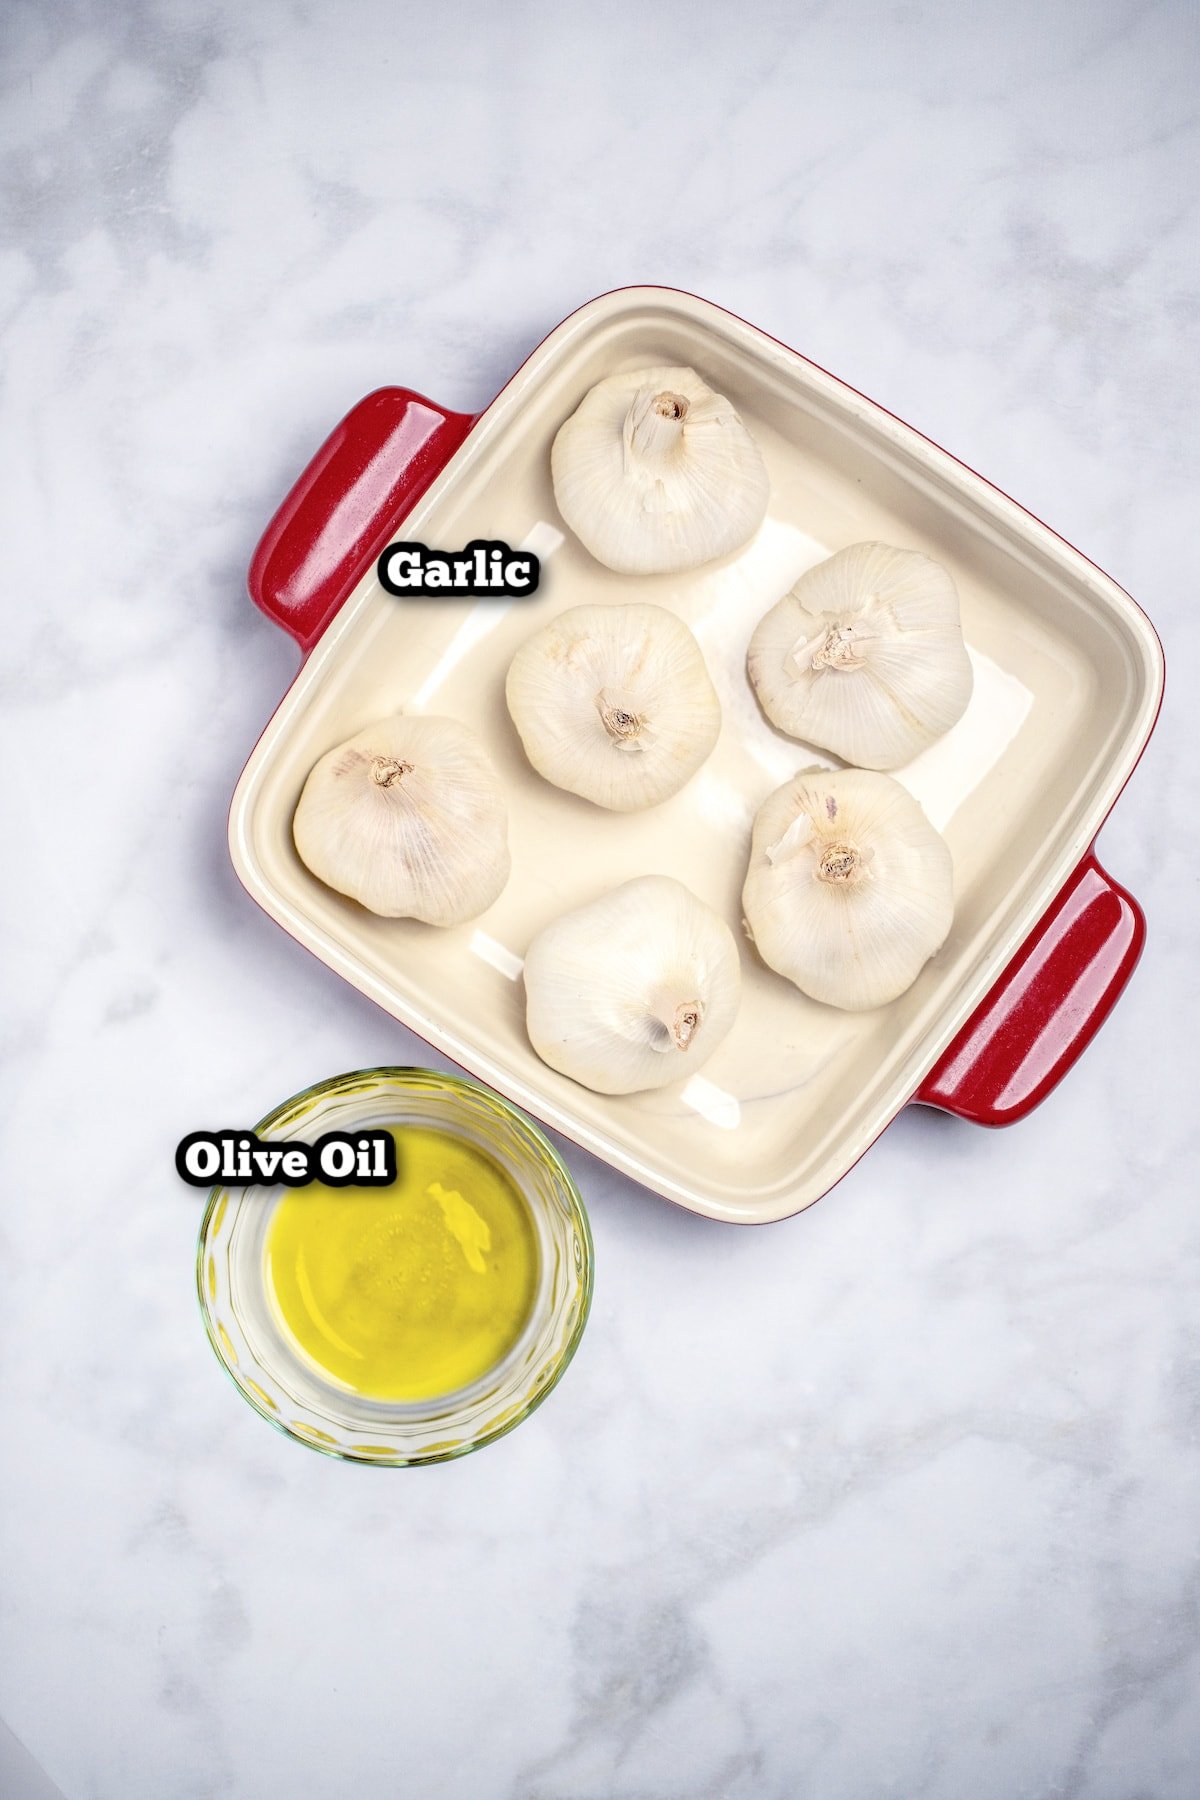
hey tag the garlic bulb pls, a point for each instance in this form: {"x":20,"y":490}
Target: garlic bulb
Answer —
{"x":633,"y":990}
{"x":865,"y":656}
{"x":850,"y":888}
{"x":614,"y":703}
{"x":654,"y":472}
{"x":409,"y":820}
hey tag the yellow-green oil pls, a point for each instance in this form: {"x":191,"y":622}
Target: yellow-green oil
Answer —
{"x":409,"y":1291}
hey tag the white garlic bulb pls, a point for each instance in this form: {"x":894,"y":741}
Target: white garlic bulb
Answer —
{"x":654,"y":472}
{"x":408,"y":819}
{"x":614,"y":703}
{"x":850,"y":888}
{"x":865,"y":656}
{"x":633,"y":990}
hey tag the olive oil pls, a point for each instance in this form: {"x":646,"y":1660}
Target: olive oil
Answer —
{"x":410,"y":1291}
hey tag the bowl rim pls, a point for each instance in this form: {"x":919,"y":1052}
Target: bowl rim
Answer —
{"x":400,"y":1076}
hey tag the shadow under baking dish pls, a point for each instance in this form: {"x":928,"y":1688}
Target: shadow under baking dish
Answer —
{"x":291,"y":1391}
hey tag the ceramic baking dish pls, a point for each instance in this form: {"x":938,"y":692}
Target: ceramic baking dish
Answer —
{"x":1068,"y":678}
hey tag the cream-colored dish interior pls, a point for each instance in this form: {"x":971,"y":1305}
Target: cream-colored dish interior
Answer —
{"x":1067,"y":678}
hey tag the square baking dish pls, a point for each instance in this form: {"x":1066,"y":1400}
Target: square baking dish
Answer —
{"x":1068,"y":681}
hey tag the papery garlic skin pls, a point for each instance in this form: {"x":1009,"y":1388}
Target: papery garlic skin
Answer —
{"x":654,"y":472}
{"x":408,"y":819}
{"x":865,"y":656}
{"x":850,"y":889}
{"x":633,"y":990}
{"x":614,"y":703}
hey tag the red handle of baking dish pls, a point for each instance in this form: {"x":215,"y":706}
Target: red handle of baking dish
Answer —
{"x":1046,"y":1007}
{"x":343,"y":510}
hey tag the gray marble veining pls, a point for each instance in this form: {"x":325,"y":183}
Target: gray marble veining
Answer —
{"x":898,"y":1498}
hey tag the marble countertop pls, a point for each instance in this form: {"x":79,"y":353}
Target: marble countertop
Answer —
{"x":897,"y":1498}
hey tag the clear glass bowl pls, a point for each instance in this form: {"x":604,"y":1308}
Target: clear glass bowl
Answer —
{"x":285,"y":1388}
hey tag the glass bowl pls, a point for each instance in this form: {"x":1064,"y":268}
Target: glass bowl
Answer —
{"x":285,"y":1388}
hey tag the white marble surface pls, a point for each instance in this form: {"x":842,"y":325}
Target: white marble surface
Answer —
{"x":899,"y":1498}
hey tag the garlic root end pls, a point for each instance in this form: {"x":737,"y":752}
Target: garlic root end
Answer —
{"x":386,"y":771}
{"x":685,"y":1023}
